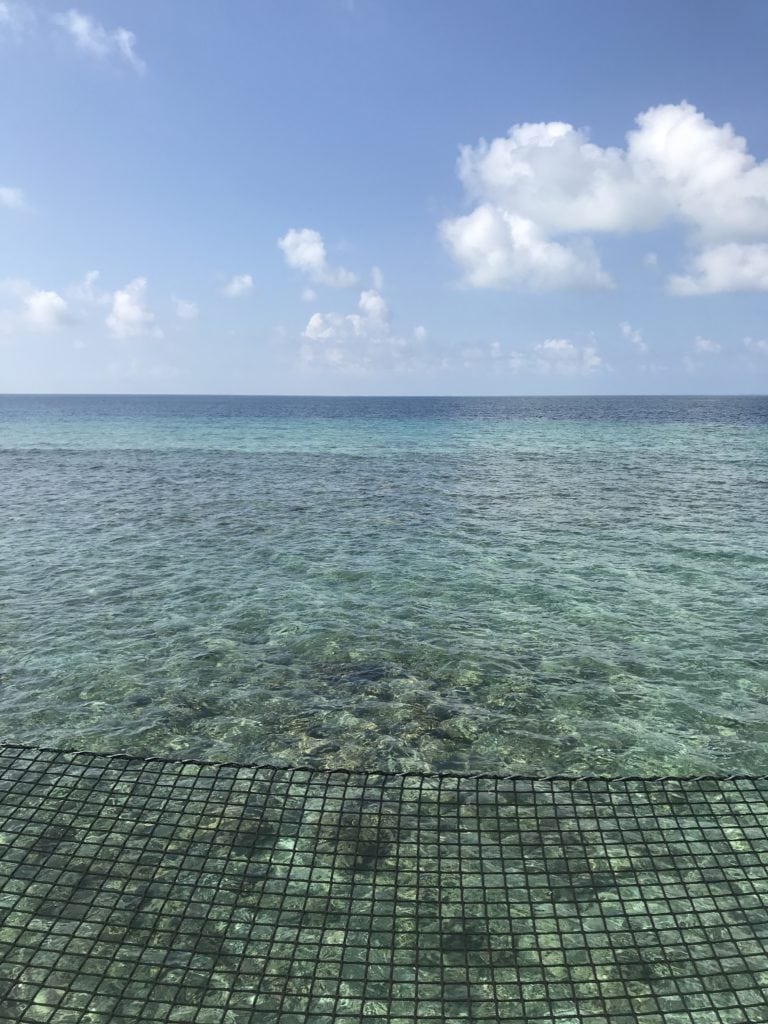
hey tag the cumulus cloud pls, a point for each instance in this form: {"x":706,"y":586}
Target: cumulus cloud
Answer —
{"x":186,"y":310}
{"x":11,"y":198}
{"x":732,"y":267}
{"x":37,"y":309}
{"x":45,"y":311}
{"x":543,"y":189}
{"x":239,"y":285}
{"x":707,"y":345}
{"x":360,"y":341}
{"x":129,"y":315}
{"x":91,"y":37}
{"x":304,"y":249}
{"x":633,"y":336}
{"x":758,"y":346}
{"x":499,"y":249}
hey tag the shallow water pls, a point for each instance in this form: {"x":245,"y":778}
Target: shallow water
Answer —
{"x":527,"y":585}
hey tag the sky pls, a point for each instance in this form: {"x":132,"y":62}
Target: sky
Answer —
{"x":384,"y":197}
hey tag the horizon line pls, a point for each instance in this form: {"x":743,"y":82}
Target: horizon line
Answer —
{"x":293,"y":394}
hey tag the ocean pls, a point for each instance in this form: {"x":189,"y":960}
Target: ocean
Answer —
{"x":523,"y":585}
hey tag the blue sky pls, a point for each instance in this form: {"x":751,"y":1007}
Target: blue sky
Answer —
{"x":384,"y":197}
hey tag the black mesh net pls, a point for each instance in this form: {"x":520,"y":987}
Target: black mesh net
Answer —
{"x":151,"y":890}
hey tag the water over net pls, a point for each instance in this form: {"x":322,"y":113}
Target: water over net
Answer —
{"x":156,"y":891}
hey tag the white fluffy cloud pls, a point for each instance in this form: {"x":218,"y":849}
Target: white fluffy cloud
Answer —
{"x":732,"y":267}
{"x":92,"y":38}
{"x":304,"y":249}
{"x":633,"y":336}
{"x":707,"y":345}
{"x":129,"y":315}
{"x":542,"y":182}
{"x":238,"y":285}
{"x":45,"y":311}
{"x":36,"y":309}
{"x":12,"y":198}
{"x":758,"y":346}
{"x":186,"y":310}
{"x":499,"y":249}
{"x":360,"y":341}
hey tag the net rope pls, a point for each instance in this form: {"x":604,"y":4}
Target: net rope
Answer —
{"x":155,"y":890}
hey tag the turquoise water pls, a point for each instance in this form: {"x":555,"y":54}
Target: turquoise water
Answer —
{"x":526,"y":585}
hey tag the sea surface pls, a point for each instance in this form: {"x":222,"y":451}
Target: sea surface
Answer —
{"x":524,"y":585}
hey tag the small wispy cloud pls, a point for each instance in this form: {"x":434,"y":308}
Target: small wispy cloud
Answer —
{"x":759,"y":346}
{"x":93,"y":38}
{"x":553,"y":356}
{"x":186,"y":310}
{"x":15,"y":17}
{"x":12,"y":198}
{"x":633,"y":336}
{"x":707,"y":345}
{"x":238,"y":285}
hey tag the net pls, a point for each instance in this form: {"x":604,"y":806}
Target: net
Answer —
{"x":155,"y":891}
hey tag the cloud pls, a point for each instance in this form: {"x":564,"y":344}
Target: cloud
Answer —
{"x":129,"y":316}
{"x":239,"y":285}
{"x":499,"y":249}
{"x":87,"y":292}
{"x":757,"y":346}
{"x":358,"y":342}
{"x":308,"y":295}
{"x":11,"y":198}
{"x":14,"y":17}
{"x":92,"y":38}
{"x":543,"y":189}
{"x":186,"y":310}
{"x":38,"y":310}
{"x":633,"y":336}
{"x":733,"y":267}
{"x":558,"y":356}
{"x":304,"y":250}
{"x":707,"y":345}
{"x":45,"y":311}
